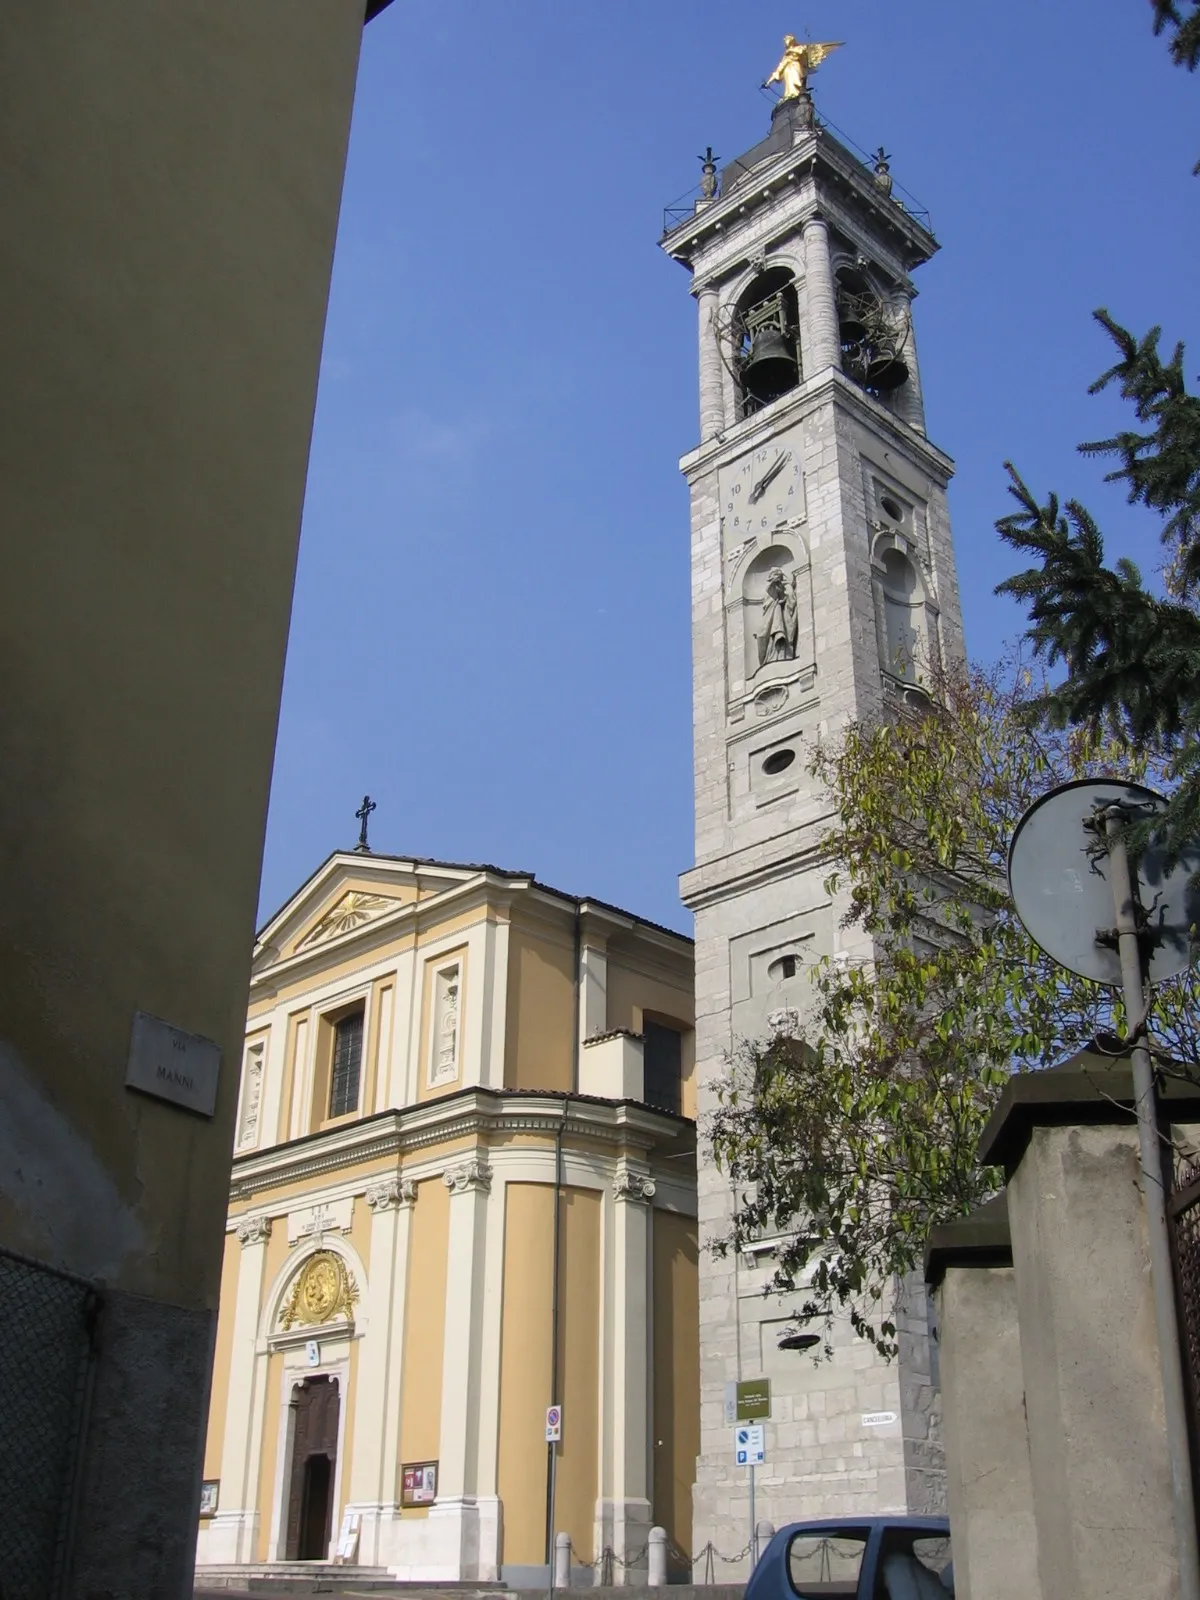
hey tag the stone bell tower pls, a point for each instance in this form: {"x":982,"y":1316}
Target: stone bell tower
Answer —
{"x":822,"y":581}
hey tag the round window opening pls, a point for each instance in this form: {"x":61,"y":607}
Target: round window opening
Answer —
{"x":891,"y":508}
{"x":779,"y":762}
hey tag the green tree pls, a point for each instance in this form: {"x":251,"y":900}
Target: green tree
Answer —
{"x":853,"y":1130}
{"x":1132,"y":656}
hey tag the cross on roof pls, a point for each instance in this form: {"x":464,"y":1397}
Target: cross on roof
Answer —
{"x":363,"y":813}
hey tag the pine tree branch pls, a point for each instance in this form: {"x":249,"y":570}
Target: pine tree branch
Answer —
{"x":1185,"y":46}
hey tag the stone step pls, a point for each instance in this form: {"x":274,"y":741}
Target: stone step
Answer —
{"x":332,"y":1578}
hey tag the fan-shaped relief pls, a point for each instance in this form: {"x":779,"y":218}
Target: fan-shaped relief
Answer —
{"x":905,"y":616}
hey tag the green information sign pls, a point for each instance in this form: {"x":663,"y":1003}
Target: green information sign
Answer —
{"x":753,"y":1400}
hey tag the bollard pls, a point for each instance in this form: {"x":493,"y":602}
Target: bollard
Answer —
{"x":764,"y":1532}
{"x":562,"y":1560}
{"x":657,"y":1547}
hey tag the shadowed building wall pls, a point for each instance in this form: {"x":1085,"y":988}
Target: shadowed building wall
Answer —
{"x":173,"y":174}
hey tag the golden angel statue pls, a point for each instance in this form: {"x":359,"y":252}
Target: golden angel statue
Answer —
{"x":797,"y":62}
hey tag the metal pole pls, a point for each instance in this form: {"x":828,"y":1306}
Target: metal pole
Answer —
{"x":1133,"y":981}
{"x":553,"y":1487}
{"x":753,"y":1533}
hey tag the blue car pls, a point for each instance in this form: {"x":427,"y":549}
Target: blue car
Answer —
{"x":861,"y":1558}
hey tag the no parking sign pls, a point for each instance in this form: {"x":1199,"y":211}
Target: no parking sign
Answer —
{"x":553,"y":1424}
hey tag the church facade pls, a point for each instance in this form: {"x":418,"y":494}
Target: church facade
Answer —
{"x":823,"y":589}
{"x":463,"y":1193}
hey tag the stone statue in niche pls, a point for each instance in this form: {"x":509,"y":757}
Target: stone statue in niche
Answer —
{"x":779,"y":628}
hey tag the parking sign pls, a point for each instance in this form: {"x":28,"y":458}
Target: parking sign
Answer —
{"x":749,"y":1445}
{"x":553,"y":1424}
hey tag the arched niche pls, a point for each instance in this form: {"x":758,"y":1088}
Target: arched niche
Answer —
{"x":346,"y":1315}
{"x":773,"y":610}
{"x":905,"y":617}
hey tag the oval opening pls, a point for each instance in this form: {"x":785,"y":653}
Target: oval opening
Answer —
{"x":891,"y":508}
{"x":785,"y":967}
{"x":778,"y":762}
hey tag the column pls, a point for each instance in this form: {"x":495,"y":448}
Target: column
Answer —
{"x":466,"y":1541}
{"x":624,"y":1514}
{"x":234,"y":1531}
{"x":712,"y":406}
{"x":909,"y":400}
{"x":823,"y":346}
{"x":377,"y":1390}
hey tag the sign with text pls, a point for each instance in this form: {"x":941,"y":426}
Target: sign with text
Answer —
{"x":750,"y":1445}
{"x":418,"y":1483}
{"x":553,"y":1424}
{"x":753,"y":1400}
{"x":878,"y":1419}
{"x":173,"y":1065}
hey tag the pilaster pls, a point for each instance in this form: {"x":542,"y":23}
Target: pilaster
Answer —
{"x":233,"y":1532}
{"x":464,"y":1528}
{"x":380,"y":1374}
{"x":593,"y":986}
{"x":624,"y":1514}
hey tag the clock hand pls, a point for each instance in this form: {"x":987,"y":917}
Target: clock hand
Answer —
{"x":769,"y":476}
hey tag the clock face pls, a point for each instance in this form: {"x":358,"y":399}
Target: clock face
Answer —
{"x":763,"y":489}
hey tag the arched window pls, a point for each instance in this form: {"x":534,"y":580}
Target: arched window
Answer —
{"x":766,"y":342}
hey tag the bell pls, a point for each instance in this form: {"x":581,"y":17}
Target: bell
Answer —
{"x":770,"y":367}
{"x":886,"y":372}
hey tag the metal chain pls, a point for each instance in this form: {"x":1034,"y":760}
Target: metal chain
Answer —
{"x":608,"y":1558}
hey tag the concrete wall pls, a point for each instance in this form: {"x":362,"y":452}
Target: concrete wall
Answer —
{"x":989,"y":1488}
{"x":1093,"y":1390}
{"x":172,"y":182}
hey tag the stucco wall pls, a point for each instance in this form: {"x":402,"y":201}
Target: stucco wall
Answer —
{"x":172,"y":182}
{"x":525,"y":1344}
{"x":676,"y":1313}
{"x":541,"y":1011}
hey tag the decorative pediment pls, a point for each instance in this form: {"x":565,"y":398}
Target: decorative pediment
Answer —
{"x":355,"y":908}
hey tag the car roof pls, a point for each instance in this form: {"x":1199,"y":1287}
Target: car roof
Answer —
{"x":816,"y":1524}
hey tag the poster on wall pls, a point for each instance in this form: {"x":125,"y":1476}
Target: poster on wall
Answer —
{"x":209,"y":1490}
{"x":418,"y":1483}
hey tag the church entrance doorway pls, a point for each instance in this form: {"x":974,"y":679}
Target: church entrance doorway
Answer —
{"x":315,"y":1406}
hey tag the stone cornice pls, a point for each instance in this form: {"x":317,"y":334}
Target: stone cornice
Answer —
{"x":471,"y":1113}
{"x":711,"y":882}
{"x":801,"y":402}
{"x":818,"y":156}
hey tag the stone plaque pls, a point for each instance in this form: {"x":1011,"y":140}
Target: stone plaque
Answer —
{"x":173,"y":1065}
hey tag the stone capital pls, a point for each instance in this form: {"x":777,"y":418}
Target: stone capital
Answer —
{"x":391,"y":1194}
{"x":253,"y":1230}
{"x":637,"y":1186}
{"x":468,"y":1175}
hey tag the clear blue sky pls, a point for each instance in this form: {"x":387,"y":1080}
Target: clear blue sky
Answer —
{"x":491,"y":628}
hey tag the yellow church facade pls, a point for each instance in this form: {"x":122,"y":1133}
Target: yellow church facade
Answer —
{"x":463,"y":1192}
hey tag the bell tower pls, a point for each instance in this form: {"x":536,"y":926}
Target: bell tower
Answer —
{"x":823,"y":582}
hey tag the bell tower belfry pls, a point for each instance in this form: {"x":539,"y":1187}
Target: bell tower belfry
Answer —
{"x":823,"y":583}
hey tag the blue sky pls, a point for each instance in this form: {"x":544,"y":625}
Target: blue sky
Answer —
{"x":490,"y":630}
